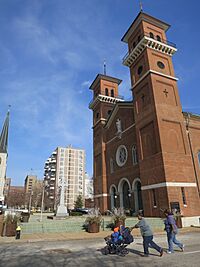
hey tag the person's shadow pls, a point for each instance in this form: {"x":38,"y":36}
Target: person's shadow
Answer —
{"x":134,"y":251}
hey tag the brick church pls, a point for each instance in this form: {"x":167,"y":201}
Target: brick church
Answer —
{"x":146,"y":151}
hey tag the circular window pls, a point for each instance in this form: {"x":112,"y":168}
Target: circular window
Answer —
{"x":160,"y":65}
{"x":139,"y":71}
{"x":121,"y":155}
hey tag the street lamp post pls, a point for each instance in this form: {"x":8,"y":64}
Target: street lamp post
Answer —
{"x":30,"y":199}
{"x":42,"y":203}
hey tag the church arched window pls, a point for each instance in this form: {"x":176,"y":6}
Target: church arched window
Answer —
{"x":151,"y":35}
{"x":106,"y":92}
{"x":158,"y":38}
{"x":111,"y":165}
{"x":134,"y":155}
{"x":109,"y":111}
{"x":198,"y":155}
{"x":112,"y":92}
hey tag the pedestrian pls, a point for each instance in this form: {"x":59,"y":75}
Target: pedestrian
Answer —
{"x":18,"y":232}
{"x":172,"y":230}
{"x":147,"y":235}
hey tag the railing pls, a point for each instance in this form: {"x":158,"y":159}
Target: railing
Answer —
{"x":146,"y":34}
{"x":118,"y":97}
{"x":160,"y":40}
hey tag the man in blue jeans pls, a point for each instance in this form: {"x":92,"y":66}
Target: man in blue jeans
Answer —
{"x":147,"y":235}
{"x":172,"y":230}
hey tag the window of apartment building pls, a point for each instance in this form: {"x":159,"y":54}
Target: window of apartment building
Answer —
{"x":154,"y":198}
{"x":183,"y":196}
{"x":134,"y":155}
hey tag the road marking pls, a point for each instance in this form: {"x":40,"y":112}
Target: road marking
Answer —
{"x":191,"y":252}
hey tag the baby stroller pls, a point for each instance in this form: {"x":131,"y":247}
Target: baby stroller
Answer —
{"x":118,"y":241}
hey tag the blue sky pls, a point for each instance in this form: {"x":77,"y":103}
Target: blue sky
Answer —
{"x":50,"y":52}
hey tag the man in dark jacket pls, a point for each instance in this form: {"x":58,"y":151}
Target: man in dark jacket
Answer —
{"x":172,"y":230}
{"x":147,"y":235}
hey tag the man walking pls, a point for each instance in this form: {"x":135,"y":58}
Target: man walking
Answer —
{"x":147,"y":235}
{"x":172,"y":230}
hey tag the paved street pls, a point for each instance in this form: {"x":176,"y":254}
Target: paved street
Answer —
{"x":88,"y":253}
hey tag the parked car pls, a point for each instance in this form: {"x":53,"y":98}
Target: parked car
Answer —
{"x":81,"y":210}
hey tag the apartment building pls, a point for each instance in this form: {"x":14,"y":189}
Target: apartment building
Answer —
{"x":29,"y":183}
{"x":68,"y":164}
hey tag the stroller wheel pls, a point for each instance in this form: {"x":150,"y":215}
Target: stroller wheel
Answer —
{"x":125,"y":251}
{"x":106,"y":250}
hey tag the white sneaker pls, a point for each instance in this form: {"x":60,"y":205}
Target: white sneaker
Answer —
{"x":169,"y":252}
{"x":183,"y":247}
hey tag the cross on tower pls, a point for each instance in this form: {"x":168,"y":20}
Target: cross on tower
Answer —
{"x":141,"y":7}
{"x":165,"y":92}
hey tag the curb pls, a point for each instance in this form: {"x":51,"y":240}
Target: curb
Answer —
{"x":77,"y":236}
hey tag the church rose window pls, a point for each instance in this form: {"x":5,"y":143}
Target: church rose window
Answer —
{"x":161,"y":65}
{"x":121,"y":155}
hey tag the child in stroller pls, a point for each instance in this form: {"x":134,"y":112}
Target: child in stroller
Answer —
{"x":118,"y":241}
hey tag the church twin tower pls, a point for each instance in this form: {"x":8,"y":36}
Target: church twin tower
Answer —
{"x":143,"y":156}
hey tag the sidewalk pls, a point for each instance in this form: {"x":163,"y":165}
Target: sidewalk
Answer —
{"x":29,"y":238}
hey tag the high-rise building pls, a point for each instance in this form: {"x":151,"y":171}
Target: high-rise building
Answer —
{"x":68,"y":164}
{"x":29,"y":183}
{"x":3,"y":155}
{"x":146,"y":151}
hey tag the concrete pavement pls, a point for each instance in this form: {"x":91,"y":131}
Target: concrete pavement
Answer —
{"x":80,"y":235}
{"x":86,"y":252}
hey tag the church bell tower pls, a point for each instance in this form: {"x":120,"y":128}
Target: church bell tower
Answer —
{"x":105,"y":96}
{"x":166,"y":171}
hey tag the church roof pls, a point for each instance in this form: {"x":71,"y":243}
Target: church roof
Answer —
{"x":192,"y":115}
{"x":4,"y":135}
{"x":118,"y":105}
{"x":145,"y":17}
{"x":106,"y":78}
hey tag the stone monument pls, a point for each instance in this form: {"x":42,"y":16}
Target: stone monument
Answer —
{"x":62,"y":209}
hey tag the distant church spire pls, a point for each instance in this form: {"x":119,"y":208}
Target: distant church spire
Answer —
{"x":4,"y":135}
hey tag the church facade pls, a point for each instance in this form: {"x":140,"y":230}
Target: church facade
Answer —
{"x":3,"y":157}
{"x":146,"y":151}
